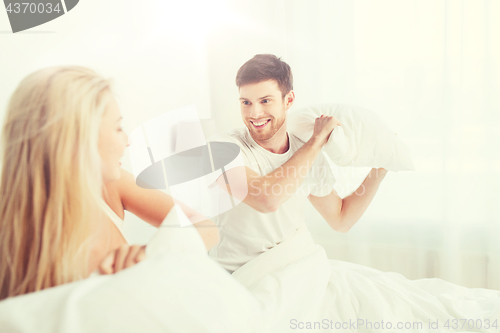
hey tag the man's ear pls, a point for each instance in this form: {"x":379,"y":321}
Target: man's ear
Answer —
{"x":289,"y":99}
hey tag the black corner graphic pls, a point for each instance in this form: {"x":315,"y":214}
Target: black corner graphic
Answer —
{"x":70,"y":4}
{"x":26,"y":15}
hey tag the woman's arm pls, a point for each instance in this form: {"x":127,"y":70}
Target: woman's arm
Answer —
{"x":153,"y":205}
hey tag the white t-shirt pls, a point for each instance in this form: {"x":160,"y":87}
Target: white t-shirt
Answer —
{"x":244,"y":232}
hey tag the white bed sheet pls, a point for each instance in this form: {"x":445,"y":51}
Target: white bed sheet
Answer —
{"x":178,"y":288}
{"x":299,"y":287}
{"x":292,"y":287}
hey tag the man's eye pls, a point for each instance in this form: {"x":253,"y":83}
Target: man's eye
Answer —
{"x":265,"y":101}
{"x":246,"y":102}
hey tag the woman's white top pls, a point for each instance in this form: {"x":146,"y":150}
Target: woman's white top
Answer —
{"x":116,"y":220}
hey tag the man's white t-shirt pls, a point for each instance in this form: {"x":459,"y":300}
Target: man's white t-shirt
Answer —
{"x":244,"y":232}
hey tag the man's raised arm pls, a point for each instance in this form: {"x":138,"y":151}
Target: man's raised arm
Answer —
{"x":266,"y":193}
{"x":342,"y":214}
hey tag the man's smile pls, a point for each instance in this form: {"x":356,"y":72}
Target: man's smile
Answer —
{"x":260,"y":123}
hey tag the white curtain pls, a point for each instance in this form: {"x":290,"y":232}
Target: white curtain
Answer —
{"x":432,"y":70}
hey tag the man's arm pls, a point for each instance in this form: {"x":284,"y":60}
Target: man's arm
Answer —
{"x":266,"y":193}
{"x":153,"y":206}
{"x":342,"y":214}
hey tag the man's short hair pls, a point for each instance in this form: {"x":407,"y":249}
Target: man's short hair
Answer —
{"x":264,"y":67}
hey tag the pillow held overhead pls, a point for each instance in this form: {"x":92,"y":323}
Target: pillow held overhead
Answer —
{"x":363,"y":140}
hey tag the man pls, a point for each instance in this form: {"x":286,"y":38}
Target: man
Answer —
{"x":281,"y":170}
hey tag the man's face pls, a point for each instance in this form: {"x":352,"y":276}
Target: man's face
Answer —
{"x":263,"y":109}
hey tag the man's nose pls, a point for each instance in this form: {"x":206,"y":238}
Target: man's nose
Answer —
{"x":257,"y":111}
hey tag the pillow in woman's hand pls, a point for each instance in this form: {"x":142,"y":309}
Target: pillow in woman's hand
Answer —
{"x":177,"y":288}
{"x":176,"y":234}
{"x":363,"y":139}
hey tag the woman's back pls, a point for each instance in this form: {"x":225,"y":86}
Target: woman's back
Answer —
{"x":52,"y":179}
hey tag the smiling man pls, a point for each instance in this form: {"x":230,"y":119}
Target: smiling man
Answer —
{"x":281,"y":170}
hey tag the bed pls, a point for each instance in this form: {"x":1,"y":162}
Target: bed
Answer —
{"x":290,"y":288}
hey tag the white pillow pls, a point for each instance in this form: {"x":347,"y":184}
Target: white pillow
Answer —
{"x":176,"y":234}
{"x":177,"y":288}
{"x":363,"y":140}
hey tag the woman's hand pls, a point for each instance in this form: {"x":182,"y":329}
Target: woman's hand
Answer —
{"x":121,"y":258}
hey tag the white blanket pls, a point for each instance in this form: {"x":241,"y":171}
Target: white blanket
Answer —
{"x":177,"y":288}
{"x":292,"y":287}
{"x":301,"y":290}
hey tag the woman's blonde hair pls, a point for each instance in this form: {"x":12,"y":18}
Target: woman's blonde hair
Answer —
{"x":51,"y":179}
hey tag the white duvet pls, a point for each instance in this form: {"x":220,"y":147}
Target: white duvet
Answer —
{"x":301,"y":290}
{"x":291,"y":288}
{"x":177,"y":288}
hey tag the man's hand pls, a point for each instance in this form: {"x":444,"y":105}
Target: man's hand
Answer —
{"x":123,"y":257}
{"x":323,"y":127}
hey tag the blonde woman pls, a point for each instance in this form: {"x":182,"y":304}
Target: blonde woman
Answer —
{"x":62,"y":191}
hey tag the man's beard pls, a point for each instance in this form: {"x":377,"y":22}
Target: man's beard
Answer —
{"x":274,"y":126}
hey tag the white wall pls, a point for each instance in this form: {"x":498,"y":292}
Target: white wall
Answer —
{"x":158,"y":63}
{"x":431,"y":69}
